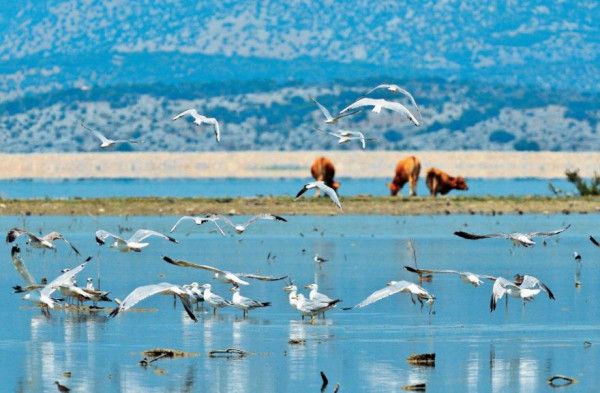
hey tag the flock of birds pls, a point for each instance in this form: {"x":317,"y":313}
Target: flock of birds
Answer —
{"x":312,"y":305}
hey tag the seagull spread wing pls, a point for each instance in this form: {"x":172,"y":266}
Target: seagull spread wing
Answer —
{"x":65,"y":278}
{"x":55,"y":235}
{"x":473,"y":236}
{"x":323,"y":109}
{"x":551,"y":233}
{"x":102,"y":235}
{"x":142,"y":234}
{"x":98,"y":135}
{"x":21,"y":268}
{"x":182,"y":263}
{"x":530,"y":282}
{"x":323,"y":187}
{"x":192,"y":112}
{"x":593,"y":240}
{"x":265,"y":216}
{"x":14,"y":233}
{"x":382,"y":293}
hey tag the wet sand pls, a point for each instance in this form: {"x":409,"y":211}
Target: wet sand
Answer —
{"x":256,"y":164}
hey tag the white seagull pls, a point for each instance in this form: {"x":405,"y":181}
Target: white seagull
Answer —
{"x":199,"y":220}
{"x":244,"y":303}
{"x":214,"y":300}
{"x":36,"y":241}
{"x":328,"y":118}
{"x":199,"y":119}
{"x":105,"y":142}
{"x":397,"y":89}
{"x":527,"y":289}
{"x":145,"y":291}
{"x":394,"y":287}
{"x":323,"y":187}
{"x":134,"y":243}
{"x":308,"y":307}
{"x":316,"y":295}
{"x":378,"y":104}
{"x":240,"y":228}
{"x":466,"y":277}
{"x":524,"y":239}
{"x":345,"y":136}
{"x":224,"y":276}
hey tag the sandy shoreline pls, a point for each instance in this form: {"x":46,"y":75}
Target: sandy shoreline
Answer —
{"x":365,"y":164}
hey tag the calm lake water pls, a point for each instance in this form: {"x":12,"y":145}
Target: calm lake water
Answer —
{"x":93,"y":188}
{"x":514,"y":349}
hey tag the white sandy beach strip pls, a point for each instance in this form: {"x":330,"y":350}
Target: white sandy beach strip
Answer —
{"x":365,"y":164}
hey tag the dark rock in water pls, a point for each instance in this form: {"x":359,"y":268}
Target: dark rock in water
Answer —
{"x":423,"y":359}
{"x":417,"y":387}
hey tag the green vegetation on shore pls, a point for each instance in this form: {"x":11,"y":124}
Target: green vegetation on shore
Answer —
{"x":379,"y":205}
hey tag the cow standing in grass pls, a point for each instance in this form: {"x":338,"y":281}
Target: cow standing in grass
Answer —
{"x":407,"y":170}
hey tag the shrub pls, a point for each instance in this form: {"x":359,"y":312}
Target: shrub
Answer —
{"x":584,"y":189}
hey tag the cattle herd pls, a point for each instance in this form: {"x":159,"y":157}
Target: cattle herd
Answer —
{"x":407,"y":171}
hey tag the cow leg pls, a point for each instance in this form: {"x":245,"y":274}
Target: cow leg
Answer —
{"x":434,"y":186}
{"x":413,"y":187}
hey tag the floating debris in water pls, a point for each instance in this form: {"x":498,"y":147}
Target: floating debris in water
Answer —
{"x":296,"y":341}
{"x":158,"y":353}
{"x":417,"y":387}
{"x":229,"y":352}
{"x":66,"y":374}
{"x":422,"y":359}
{"x":567,"y":381}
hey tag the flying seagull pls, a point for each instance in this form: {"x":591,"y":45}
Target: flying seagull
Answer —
{"x":378,"y":104}
{"x":345,"y":136}
{"x":199,"y":119}
{"x":394,"y":287}
{"x":164,"y":288}
{"x":105,"y":142}
{"x":397,"y":89}
{"x":199,"y":220}
{"x":323,"y":187}
{"x":466,"y":277}
{"x":224,"y":276}
{"x":330,"y":119}
{"x":134,"y":243}
{"x":527,"y":289}
{"x":524,"y":239}
{"x":245,"y":303}
{"x":38,"y":242}
{"x":240,"y":228}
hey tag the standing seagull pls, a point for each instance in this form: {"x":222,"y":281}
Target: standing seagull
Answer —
{"x":109,"y":142}
{"x":244,"y":303}
{"x":378,"y":104}
{"x":397,"y":89}
{"x":38,"y":242}
{"x":323,"y":187}
{"x":199,"y":119}
{"x":240,"y":228}
{"x":523,"y":239}
{"x":527,"y":289}
{"x":214,"y":300}
{"x":466,"y":277}
{"x":328,"y":118}
{"x":134,"y":242}
{"x":224,"y":276}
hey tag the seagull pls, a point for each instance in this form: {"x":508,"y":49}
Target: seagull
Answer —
{"x":466,"y":277}
{"x":38,"y":242}
{"x":596,"y":243}
{"x":379,"y":103}
{"x":105,"y":142}
{"x":200,"y":220}
{"x":527,"y":289}
{"x":223,"y":275}
{"x":96,"y":295}
{"x":42,"y":296}
{"x":517,"y":238}
{"x":315,"y":295}
{"x":345,"y":136}
{"x":213,"y":299}
{"x":244,"y":303}
{"x":22,"y":270}
{"x":319,"y":259}
{"x":134,"y":242}
{"x":323,"y":187}
{"x":239,"y":228}
{"x":199,"y":119}
{"x":328,"y":118}
{"x":308,"y":307}
{"x":394,"y":287}
{"x":397,"y":89}
{"x":293,"y":296}
{"x":196,"y":291}
{"x":145,"y":291}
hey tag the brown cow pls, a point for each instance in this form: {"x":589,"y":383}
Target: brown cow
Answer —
{"x":407,"y":170}
{"x":439,"y":182}
{"x":323,"y":170}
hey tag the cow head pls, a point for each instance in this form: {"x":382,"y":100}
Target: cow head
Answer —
{"x":461,"y":184}
{"x":394,"y":188}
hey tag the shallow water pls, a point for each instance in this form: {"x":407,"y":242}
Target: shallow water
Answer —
{"x":512,"y":349}
{"x":97,"y":188}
